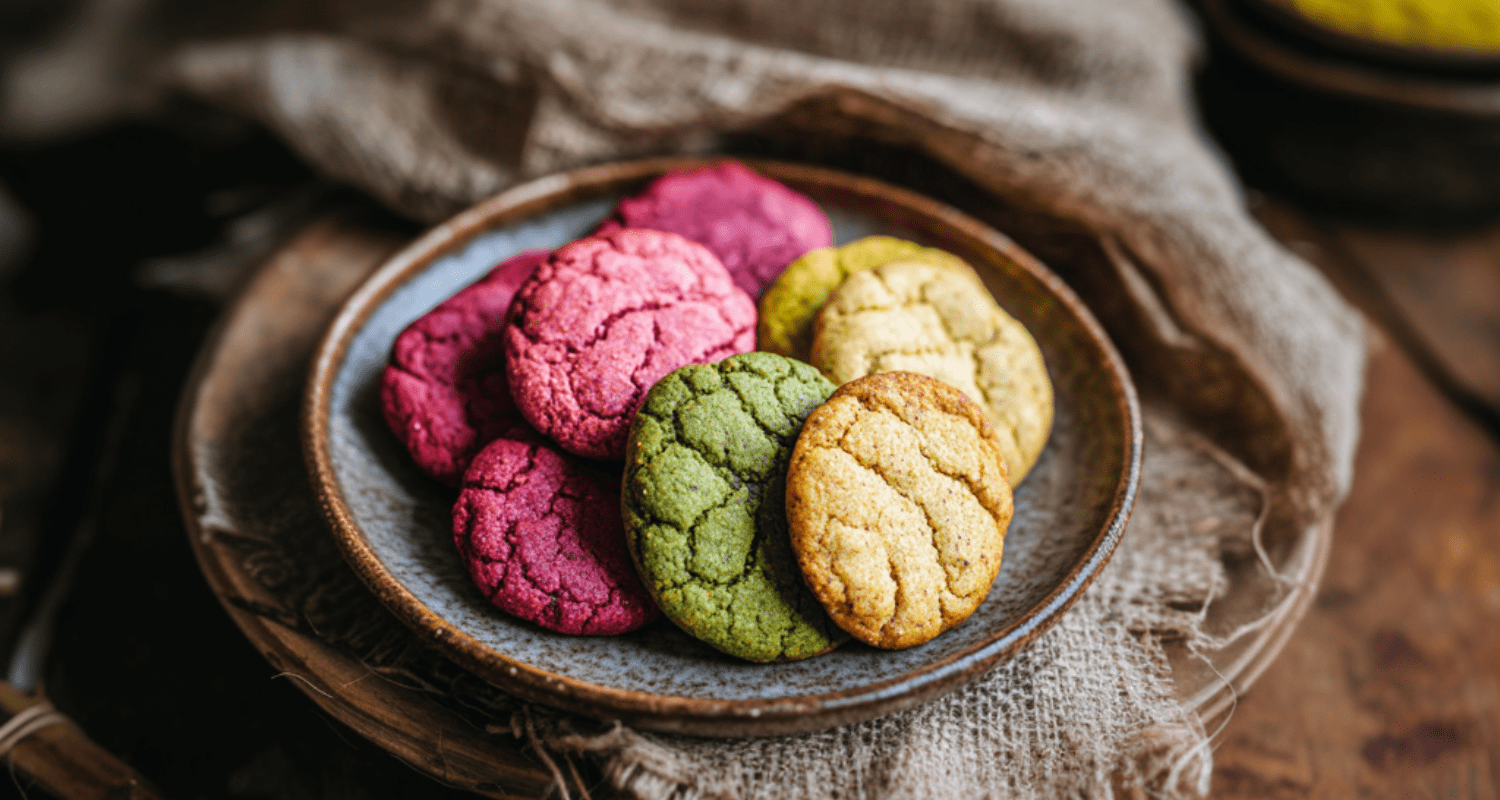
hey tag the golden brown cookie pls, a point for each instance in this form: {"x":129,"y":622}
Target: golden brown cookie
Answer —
{"x":897,"y":503}
{"x":790,"y":305}
{"x":943,"y":323}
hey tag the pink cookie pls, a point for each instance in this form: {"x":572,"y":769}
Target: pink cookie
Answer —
{"x":444,"y":393}
{"x":755,"y":225}
{"x":606,"y":317}
{"x":540,"y":533}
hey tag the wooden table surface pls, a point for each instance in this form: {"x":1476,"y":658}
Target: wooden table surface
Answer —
{"x":1390,"y":688}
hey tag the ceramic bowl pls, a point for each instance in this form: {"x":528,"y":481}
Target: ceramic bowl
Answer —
{"x":392,"y":522}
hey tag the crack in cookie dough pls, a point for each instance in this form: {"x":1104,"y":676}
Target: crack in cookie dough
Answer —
{"x":923,"y":492}
{"x":755,"y":225}
{"x":898,"y":502}
{"x":704,"y":505}
{"x":943,"y":323}
{"x":790,"y":306}
{"x":444,"y":393}
{"x":539,"y":532}
{"x":605,"y":318}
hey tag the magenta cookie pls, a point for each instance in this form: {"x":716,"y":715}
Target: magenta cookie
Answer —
{"x":540,"y":533}
{"x":444,"y":393}
{"x":755,"y":225}
{"x":606,"y":317}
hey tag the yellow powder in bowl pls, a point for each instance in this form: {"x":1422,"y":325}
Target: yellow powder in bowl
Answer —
{"x":1463,"y":26}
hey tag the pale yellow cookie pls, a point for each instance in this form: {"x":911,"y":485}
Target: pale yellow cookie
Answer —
{"x":897,"y":505}
{"x":943,"y":323}
{"x":790,"y":305}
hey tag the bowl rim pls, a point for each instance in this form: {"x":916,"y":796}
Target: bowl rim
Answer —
{"x":1467,"y":62}
{"x":702,"y":716}
{"x":1361,"y":79}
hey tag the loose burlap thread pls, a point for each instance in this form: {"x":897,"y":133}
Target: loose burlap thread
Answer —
{"x":1074,"y":116}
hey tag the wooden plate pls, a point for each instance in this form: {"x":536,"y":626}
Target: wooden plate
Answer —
{"x":392,"y":522}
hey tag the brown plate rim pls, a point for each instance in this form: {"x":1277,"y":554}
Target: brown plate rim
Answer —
{"x":670,"y":712}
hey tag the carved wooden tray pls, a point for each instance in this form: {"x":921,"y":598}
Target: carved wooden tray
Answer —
{"x":263,"y":546}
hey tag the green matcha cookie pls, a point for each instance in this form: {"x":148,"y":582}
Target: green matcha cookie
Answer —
{"x":704,"y":502}
{"x":788,"y":308}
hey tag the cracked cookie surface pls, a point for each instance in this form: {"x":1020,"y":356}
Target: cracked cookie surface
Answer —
{"x":898,"y":503}
{"x":704,"y":505}
{"x":790,"y":306}
{"x":606,"y":317}
{"x":755,"y":225}
{"x":942,"y":323}
{"x":539,"y":532}
{"x":444,"y":393}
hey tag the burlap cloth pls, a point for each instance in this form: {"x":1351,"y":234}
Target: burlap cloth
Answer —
{"x":1075,"y":117}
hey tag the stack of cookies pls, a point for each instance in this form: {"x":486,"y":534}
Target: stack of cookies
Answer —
{"x":620,"y":452}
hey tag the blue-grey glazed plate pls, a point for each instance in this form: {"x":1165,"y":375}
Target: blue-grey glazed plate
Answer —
{"x":392,"y":521}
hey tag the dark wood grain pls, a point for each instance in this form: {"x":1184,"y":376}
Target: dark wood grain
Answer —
{"x":63,"y":760}
{"x":1391,"y":686}
{"x":1436,"y":294}
{"x":1447,"y":289}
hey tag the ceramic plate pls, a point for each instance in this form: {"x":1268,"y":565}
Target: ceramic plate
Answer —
{"x":392,"y":522}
